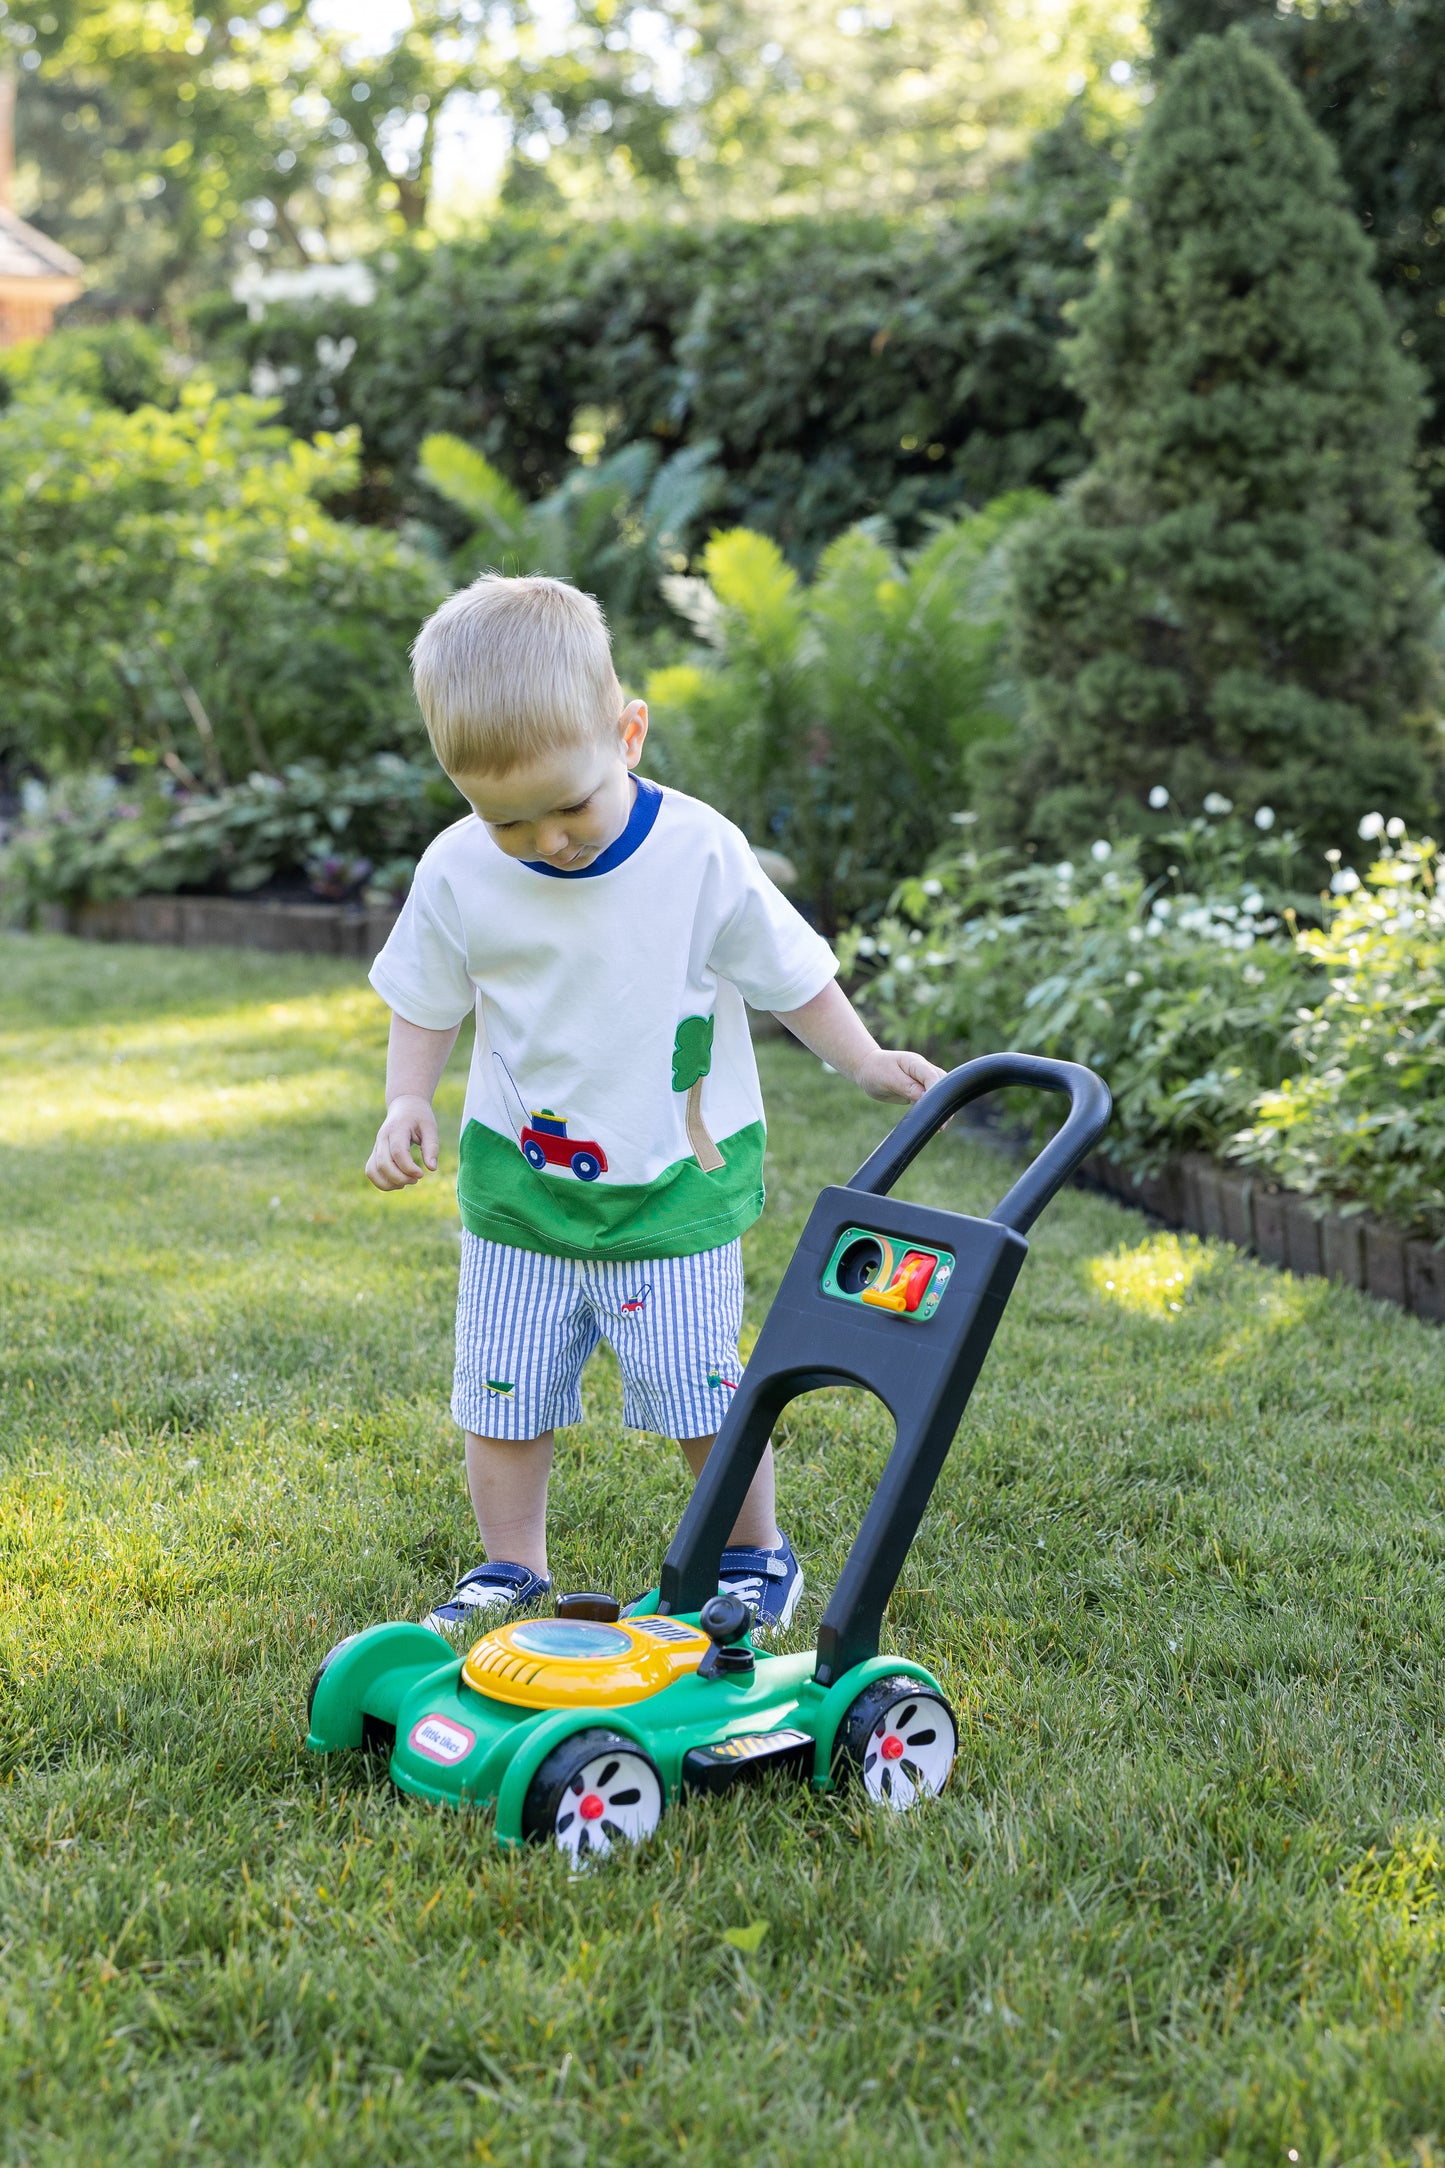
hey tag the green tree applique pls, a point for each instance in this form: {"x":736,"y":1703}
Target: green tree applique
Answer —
{"x":691,"y":1061}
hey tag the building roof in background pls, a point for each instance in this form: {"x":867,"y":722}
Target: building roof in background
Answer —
{"x":28,"y":254}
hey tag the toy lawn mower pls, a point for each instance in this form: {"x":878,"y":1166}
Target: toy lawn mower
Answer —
{"x":580,"y":1728}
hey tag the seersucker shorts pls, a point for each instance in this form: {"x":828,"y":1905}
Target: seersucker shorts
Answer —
{"x":526,"y":1324}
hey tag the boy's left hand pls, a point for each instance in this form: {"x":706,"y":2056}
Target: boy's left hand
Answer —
{"x":888,"y":1073}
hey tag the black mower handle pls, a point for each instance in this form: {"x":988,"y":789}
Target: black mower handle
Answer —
{"x":1087,"y":1119}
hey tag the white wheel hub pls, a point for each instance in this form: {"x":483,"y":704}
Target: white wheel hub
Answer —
{"x":909,"y":1753}
{"x":613,"y":1799}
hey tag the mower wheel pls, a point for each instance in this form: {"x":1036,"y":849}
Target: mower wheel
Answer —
{"x":593,"y":1791}
{"x":901,"y":1739}
{"x":321,"y":1669}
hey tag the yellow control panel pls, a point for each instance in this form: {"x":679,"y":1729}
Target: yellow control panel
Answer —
{"x":565,"y":1663}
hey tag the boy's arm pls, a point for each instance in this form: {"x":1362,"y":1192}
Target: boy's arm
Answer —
{"x":415,"y":1059}
{"x":831,"y":1028}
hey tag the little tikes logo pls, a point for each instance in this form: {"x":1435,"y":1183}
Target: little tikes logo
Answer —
{"x":441,"y":1740}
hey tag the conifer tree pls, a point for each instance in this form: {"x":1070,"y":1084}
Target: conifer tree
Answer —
{"x":1235,"y":595}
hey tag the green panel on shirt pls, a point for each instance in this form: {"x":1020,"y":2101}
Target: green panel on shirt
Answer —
{"x":681,"y":1212}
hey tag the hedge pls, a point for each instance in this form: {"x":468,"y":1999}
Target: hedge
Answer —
{"x":845,"y":366}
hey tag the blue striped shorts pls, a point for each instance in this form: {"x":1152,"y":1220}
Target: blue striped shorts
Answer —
{"x":526,"y":1324}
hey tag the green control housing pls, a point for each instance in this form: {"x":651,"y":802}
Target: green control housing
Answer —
{"x":863,"y":1263}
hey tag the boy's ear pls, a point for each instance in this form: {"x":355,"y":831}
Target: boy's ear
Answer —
{"x":633,"y":727}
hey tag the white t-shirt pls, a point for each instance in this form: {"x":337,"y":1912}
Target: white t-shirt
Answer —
{"x":613,"y":1107}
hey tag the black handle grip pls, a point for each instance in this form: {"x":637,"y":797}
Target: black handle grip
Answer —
{"x":1087,"y":1119}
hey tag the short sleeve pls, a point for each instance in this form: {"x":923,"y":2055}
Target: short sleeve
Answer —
{"x":422,"y":974}
{"x":764,"y":946}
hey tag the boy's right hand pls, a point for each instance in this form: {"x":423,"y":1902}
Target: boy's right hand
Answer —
{"x":409,"y":1121}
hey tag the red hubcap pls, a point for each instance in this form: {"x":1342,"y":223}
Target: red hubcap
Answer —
{"x":891,"y":1748}
{"x":591,"y":1806}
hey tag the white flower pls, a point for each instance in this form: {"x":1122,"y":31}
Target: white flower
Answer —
{"x":1372,"y":827}
{"x":1158,"y":797}
{"x":867,"y":946}
{"x":1161,"y":907}
{"x":1063,"y":871}
{"x":1100,"y":851}
{"x":1395,"y":828}
{"x":1345,"y":882}
{"x":933,"y":888}
{"x":1264,"y":818}
{"x":1133,"y":978}
{"x":1218,"y":804}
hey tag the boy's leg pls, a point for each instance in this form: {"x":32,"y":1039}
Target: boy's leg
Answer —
{"x":523,"y":1334}
{"x":507,"y":1479}
{"x":757,"y":1524}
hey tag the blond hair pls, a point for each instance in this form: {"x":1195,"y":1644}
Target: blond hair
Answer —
{"x":507,"y":669}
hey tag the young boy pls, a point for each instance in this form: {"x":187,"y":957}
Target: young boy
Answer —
{"x":606,"y":933}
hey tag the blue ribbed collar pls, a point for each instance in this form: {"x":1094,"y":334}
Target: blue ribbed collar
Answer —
{"x":646,"y":806}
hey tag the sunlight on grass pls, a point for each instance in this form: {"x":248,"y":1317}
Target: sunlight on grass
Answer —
{"x":222,"y":1073}
{"x":1154,"y":1279}
{"x":153,"y":1105}
{"x":1400,"y":1894}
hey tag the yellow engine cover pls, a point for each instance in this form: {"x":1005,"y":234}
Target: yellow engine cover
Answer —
{"x":567,"y":1663}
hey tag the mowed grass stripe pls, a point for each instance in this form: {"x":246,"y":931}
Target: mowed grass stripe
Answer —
{"x":1182,"y":1578}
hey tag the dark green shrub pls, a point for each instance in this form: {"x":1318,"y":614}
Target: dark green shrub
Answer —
{"x":1236,"y":594}
{"x":845,"y":366}
{"x":1372,"y":74}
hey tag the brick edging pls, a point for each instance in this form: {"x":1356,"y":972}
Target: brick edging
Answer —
{"x":311,"y":929}
{"x":1284,"y":1228}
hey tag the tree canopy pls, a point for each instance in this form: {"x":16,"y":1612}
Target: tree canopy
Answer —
{"x":165,"y":146}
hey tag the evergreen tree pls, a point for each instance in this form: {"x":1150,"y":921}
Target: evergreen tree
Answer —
{"x":1235,"y":596}
{"x":1372,"y":76}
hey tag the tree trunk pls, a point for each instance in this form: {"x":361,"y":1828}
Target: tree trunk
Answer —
{"x":706,"y":1153}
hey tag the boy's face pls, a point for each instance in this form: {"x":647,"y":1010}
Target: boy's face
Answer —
{"x":565,"y":808}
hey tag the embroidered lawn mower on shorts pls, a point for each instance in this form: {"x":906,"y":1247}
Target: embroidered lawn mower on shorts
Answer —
{"x":580,"y":1728}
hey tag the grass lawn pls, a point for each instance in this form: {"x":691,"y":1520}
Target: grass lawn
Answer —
{"x":1184,"y":1901}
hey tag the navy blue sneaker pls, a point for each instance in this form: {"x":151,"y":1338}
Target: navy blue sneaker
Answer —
{"x":771,"y":1581}
{"x":487,"y":1596}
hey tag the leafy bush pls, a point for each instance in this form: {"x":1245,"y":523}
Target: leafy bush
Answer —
{"x":170,"y":581}
{"x":615,"y":528}
{"x":1236,"y":594}
{"x":836,"y":719}
{"x":1363,"y":1119}
{"x":122,"y":365}
{"x":1182,"y":992}
{"x":93,"y":838}
{"x":844,"y":366}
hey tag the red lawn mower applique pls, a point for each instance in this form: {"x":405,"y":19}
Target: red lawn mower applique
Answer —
{"x":545,"y":1143}
{"x":543,"y":1137}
